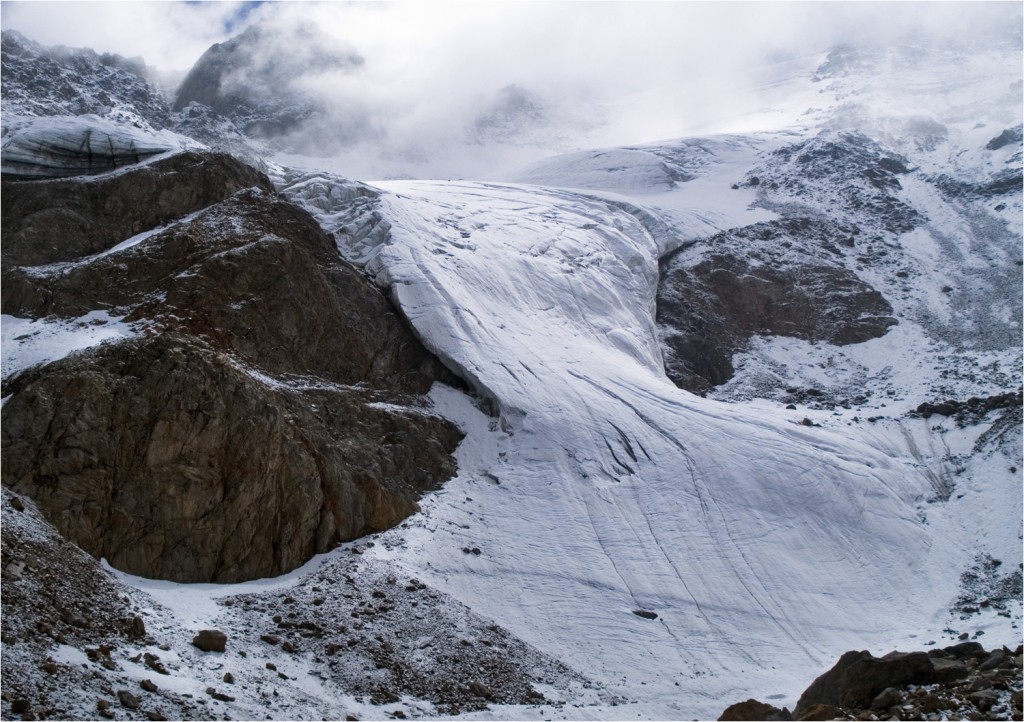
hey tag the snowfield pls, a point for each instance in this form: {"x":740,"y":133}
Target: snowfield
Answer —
{"x":764,"y":547}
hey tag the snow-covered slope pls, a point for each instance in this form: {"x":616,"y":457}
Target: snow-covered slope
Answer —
{"x":765,"y":544}
{"x":760,"y":543}
{"x":766,"y":540}
{"x":686,"y":552}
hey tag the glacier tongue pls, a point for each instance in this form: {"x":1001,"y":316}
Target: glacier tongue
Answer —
{"x":764,"y":547}
{"x":65,"y":146}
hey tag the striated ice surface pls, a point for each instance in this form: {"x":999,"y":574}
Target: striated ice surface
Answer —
{"x":54,"y":147}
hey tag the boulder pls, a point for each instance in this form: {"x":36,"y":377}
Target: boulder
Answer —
{"x":886,"y":699}
{"x":819,"y":712}
{"x":752,"y":709}
{"x":210,"y":640}
{"x":127,"y":699}
{"x":858,"y":677}
{"x":949,"y":670}
{"x":984,"y":699}
{"x":966,"y":650}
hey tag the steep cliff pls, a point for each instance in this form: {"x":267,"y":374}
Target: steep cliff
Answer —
{"x":263,"y":411}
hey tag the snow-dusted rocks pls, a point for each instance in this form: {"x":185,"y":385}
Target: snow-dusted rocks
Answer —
{"x":65,"y":219}
{"x":61,"y":81}
{"x":73,"y":647}
{"x":780,"y":278}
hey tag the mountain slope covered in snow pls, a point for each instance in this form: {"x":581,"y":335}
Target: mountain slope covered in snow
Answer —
{"x":836,"y":279}
{"x":800,"y":531}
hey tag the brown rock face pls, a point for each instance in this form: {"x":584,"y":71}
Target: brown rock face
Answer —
{"x":821,"y":712}
{"x":174,"y":462}
{"x":709,"y":306}
{"x":254,"y":275}
{"x":243,"y":431}
{"x":61,"y":220}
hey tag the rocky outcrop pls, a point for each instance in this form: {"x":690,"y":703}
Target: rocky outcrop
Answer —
{"x":171,"y":461}
{"x":1009,"y":136}
{"x":858,"y":677}
{"x":973,"y":409}
{"x":857,"y":179}
{"x":263,"y":414}
{"x":67,"y":219}
{"x":745,"y":284}
{"x":803,"y":275}
{"x":751,"y":709}
{"x":254,"y":275}
{"x":962,"y":681}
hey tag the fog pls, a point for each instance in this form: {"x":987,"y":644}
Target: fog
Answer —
{"x":450,"y":88}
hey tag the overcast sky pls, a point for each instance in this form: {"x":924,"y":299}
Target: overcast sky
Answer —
{"x":570,"y":38}
{"x":430,"y":61}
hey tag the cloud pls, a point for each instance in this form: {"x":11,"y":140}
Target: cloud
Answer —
{"x":595,"y":72}
{"x":168,"y":35}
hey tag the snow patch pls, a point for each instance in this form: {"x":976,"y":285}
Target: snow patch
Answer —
{"x":28,"y":342}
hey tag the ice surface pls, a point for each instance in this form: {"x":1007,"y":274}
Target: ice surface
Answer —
{"x":765,"y":547}
{"x":57,"y":146}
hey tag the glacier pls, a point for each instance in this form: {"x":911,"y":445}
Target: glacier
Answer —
{"x":611,"y":491}
{"x":763,"y":542}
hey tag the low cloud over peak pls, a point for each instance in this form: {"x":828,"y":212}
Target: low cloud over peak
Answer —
{"x":394,"y":87}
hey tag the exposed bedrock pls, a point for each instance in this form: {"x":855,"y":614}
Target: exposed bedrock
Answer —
{"x":171,"y":461}
{"x":62,"y":81}
{"x":255,"y":275}
{"x":66,"y":219}
{"x":264,"y":413}
{"x":709,"y":308}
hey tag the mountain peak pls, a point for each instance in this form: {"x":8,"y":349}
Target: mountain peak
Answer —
{"x":253,"y":79}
